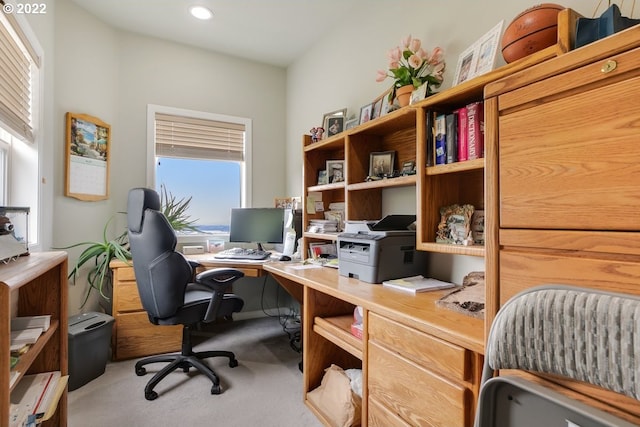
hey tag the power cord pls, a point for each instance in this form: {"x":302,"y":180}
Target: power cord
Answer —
{"x":290,"y":322}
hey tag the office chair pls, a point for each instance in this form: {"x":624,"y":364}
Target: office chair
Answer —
{"x":583,"y":334}
{"x":169,"y":291}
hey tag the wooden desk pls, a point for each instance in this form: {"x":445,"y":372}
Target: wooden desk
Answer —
{"x":411,"y":348}
{"x":133,"y":335}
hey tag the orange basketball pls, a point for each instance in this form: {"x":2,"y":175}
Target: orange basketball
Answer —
{"x":531,"y":31}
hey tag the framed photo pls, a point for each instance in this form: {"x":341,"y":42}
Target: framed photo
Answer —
{"x":351,"y":123}
{"x":487,"y":50}
{"x":87,"y":145}
{"x":455,"y":225}
{"x":419,"y":94}
{"x":466,"y":65}
{"x":365,"y":113}
{"x":386,"y":104}
{"x":335,"y":171}
{"x":381,"y":163}
{"x":480,"y":57}
{"x":333,"y":122}
{"x":322,"y":177}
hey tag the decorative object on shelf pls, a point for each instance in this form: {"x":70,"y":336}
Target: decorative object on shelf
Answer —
{"x":480,"y":57}
{"x":333,"y":122}
{"x":351,"y":123}
{"x":531,"y":31}
{"x":335,"y":170}
{"x":410,"y":64}
{"x":381,"y":163}
{"x":322,"y":177}
{"x":316,"y":133}
{"x":403,"y":94}
{"x":455,"y":225}
{"x":610,"y":22}
{"x":365,"y":113}
{"x":477,"y":227}
{"x":408,"y":168}
{"x":14,"y":232}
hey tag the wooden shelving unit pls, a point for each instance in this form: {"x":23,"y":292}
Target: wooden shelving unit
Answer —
{"x":34,"y":285}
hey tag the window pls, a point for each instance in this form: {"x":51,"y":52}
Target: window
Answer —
{"x":19,"y":119}
{"x":202,"y":156}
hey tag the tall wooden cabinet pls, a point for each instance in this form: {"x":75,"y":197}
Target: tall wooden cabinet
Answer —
{"x":563,"y":172}
{"x":34,"y":285}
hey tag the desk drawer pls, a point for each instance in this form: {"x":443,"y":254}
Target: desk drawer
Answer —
{"x":135,"y":336}
{"x":440,"y":356}
{"x":126,"y":297}
{"x":417,"y":395}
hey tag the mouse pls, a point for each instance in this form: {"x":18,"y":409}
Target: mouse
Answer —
{"x":285,"y":258}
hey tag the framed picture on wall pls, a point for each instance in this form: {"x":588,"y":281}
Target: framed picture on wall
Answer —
{"x":87,"y":145}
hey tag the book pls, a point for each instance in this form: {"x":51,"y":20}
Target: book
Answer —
{"x":25,"y":336}
{"x":416,"y":284}
{"x":27,"y":322}
{"x":451,"y":121}
{"x":475,"y":130}
{"x":441,"y":139}
{"x":37,"y":395}
{"x":430,"y":142}
{"x":463,"y":149}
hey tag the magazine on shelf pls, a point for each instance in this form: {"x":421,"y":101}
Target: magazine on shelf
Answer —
{"x":27,"y":322}
{"x":415,"y":284}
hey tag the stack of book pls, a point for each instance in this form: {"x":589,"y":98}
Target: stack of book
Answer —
{"x":25,"y":331}
{"x":323,"y":226}
{"x":416,"y":284}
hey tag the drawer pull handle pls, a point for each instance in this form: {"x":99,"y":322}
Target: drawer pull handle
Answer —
{"x":609,"y":66}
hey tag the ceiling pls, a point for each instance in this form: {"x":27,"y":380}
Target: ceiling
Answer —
{"x":271,"y":31}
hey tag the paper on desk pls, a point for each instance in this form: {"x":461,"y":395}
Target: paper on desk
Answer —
{"x":305,"y":266}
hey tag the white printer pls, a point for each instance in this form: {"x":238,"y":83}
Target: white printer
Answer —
{"x":378,"y":251}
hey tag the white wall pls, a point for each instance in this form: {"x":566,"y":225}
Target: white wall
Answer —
{"x":340,"y":71}
{"x":113,"y":75}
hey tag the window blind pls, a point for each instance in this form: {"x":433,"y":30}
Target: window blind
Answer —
{"x":17,"y":63}
{"x":194,"y":138}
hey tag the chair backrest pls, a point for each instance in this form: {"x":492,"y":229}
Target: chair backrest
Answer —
{"x":584,"y":334}
{"x":162,"y":274}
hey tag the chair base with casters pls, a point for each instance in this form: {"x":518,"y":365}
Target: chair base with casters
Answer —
{"x":184,"y":360}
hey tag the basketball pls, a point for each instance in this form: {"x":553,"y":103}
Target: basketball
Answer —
{"x":531,"y":31}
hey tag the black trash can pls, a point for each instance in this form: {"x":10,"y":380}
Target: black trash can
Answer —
{"x":89,"y":345}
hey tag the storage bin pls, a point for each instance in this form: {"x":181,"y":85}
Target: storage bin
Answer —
{"x":89,"y":343}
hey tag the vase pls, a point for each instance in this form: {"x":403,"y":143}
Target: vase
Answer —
{"x":403,"y":95}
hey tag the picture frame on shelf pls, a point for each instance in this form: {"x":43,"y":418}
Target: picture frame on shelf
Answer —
{"x":419,"y":93}
{"x":335,"y":171}
{"x":322,"y":177}
{"x":351,"y":123}
{"x":386,"y":104}
{"x":381,"y":163}
{"x":408,"y":168}
{"x":365,"y":113}
{"x":488,"y":49}
{"x":455,"y":225}
{"x":333,"y":122}
{"x":466,"y":65}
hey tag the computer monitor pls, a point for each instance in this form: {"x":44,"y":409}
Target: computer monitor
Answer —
{"x":257,"y":225}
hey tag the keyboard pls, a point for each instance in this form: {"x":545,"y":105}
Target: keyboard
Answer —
{"x":242,"y":253}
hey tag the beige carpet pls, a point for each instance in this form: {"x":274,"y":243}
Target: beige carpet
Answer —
{"x":264,"y":390}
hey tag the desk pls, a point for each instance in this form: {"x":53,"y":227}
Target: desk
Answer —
{"x":412,"y":350}
{"x":133,"y":335}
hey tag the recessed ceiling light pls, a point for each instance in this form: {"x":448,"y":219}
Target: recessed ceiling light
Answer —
{"x":201,"y":12}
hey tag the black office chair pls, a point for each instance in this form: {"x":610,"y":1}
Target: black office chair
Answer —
{"x":169,"y":291}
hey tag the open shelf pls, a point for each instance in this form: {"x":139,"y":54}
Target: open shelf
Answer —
{"x":337,"y":329}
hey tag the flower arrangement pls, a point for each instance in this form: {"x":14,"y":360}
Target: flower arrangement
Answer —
{"x":409,"y":63}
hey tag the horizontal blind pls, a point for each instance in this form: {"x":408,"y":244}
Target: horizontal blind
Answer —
{"x":15,"y":82}
{"x":194,"y":138}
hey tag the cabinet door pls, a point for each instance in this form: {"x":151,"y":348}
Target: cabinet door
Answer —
{"x":571,"y":161}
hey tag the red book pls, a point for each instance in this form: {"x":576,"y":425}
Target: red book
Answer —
{"x":462,"y":134}
{"x":475,"y":130}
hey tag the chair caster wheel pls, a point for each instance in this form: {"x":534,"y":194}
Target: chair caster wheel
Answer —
{"x":233,"y":363}
{"x":216,"y":389}
{"x":150,"y":395}
{"x":185,"y":370}
{"x":140,"y":371}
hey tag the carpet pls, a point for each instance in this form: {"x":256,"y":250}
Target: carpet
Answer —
{"x":264,"y":390}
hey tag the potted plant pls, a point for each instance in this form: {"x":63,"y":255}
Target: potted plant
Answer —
{"x":101,"y":253}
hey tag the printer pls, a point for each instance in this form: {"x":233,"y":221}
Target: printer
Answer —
{"x":378,"y":251}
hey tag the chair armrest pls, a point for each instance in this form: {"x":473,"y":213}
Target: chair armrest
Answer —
{"x":218,"y":279}
{"x":194,"y":264}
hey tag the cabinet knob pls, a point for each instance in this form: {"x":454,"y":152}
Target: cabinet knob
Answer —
{"x":609,"y":66}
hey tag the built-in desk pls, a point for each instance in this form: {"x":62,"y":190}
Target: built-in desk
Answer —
{"x":421,"y":363}
{"x":133,"y":335}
